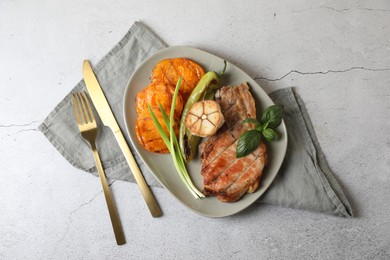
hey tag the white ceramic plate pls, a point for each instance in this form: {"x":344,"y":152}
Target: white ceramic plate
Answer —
{"x":162,"y":166}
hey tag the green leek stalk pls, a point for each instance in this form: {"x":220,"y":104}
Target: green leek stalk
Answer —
{"x":173,"y":145}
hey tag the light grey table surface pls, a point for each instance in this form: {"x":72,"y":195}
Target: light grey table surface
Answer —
{"x":336,"y":54}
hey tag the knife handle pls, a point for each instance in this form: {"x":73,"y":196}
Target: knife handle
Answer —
{"x":151,"y":201}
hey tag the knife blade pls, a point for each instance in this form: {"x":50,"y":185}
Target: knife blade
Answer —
{"x":105,"y":113}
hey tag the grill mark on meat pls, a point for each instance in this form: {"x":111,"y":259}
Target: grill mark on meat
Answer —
{"x":225,"y":176}
{"x":209,"y":154}
{"x":233,"y":194}
{"x":231,"y":174}
{"x":207,"y":146}
{"x":218,"y":165}
{"x":242,"y":184}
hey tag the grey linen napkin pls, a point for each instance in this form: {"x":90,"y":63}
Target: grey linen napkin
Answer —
{"x":304,"y":181}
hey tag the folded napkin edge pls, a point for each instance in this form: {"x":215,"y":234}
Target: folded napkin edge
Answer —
{"x":138,"y":26}
{"x":44,"y":129}
{"x":108,"y":166}
{"x":331,"y":185}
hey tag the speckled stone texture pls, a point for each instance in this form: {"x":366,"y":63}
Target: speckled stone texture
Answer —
{"x":336,"y":54}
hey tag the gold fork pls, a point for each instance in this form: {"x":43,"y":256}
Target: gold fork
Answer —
{"x":88,"y":129}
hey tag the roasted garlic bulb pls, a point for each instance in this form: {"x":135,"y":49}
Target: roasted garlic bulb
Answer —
{"x":204,"y":118}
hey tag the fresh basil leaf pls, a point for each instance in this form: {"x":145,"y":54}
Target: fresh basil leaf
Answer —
{"x":247,"y":143}
{"x":264,"y":126}
{"x":251,"y":120}
{"x":272,"y":116}
{"x":269,"y":134}
{"x":259,"y":128}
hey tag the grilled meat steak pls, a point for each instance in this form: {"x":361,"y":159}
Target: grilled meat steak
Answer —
{"x":225,"y":176}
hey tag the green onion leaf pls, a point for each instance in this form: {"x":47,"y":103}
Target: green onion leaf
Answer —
{"x":160,"y":129}
{"x":172,"y":143}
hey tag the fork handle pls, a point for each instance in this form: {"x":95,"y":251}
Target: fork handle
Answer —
{"x":115,"y":221}
{"x":151,"y":201}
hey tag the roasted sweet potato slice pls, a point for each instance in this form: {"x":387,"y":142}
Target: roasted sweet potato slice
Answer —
{"x":148,"y":135}
{"x":169,"y":71}
{"x":155,"y":94}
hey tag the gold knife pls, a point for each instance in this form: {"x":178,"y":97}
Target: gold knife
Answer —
{"x":103,"y":108}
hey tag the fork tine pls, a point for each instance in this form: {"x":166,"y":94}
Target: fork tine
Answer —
{"x":78,"y":109}
{"x":75,"y":108}
{"x":89,"y":106}
{"x":81,"y":109}
{"x":85,"y":111}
